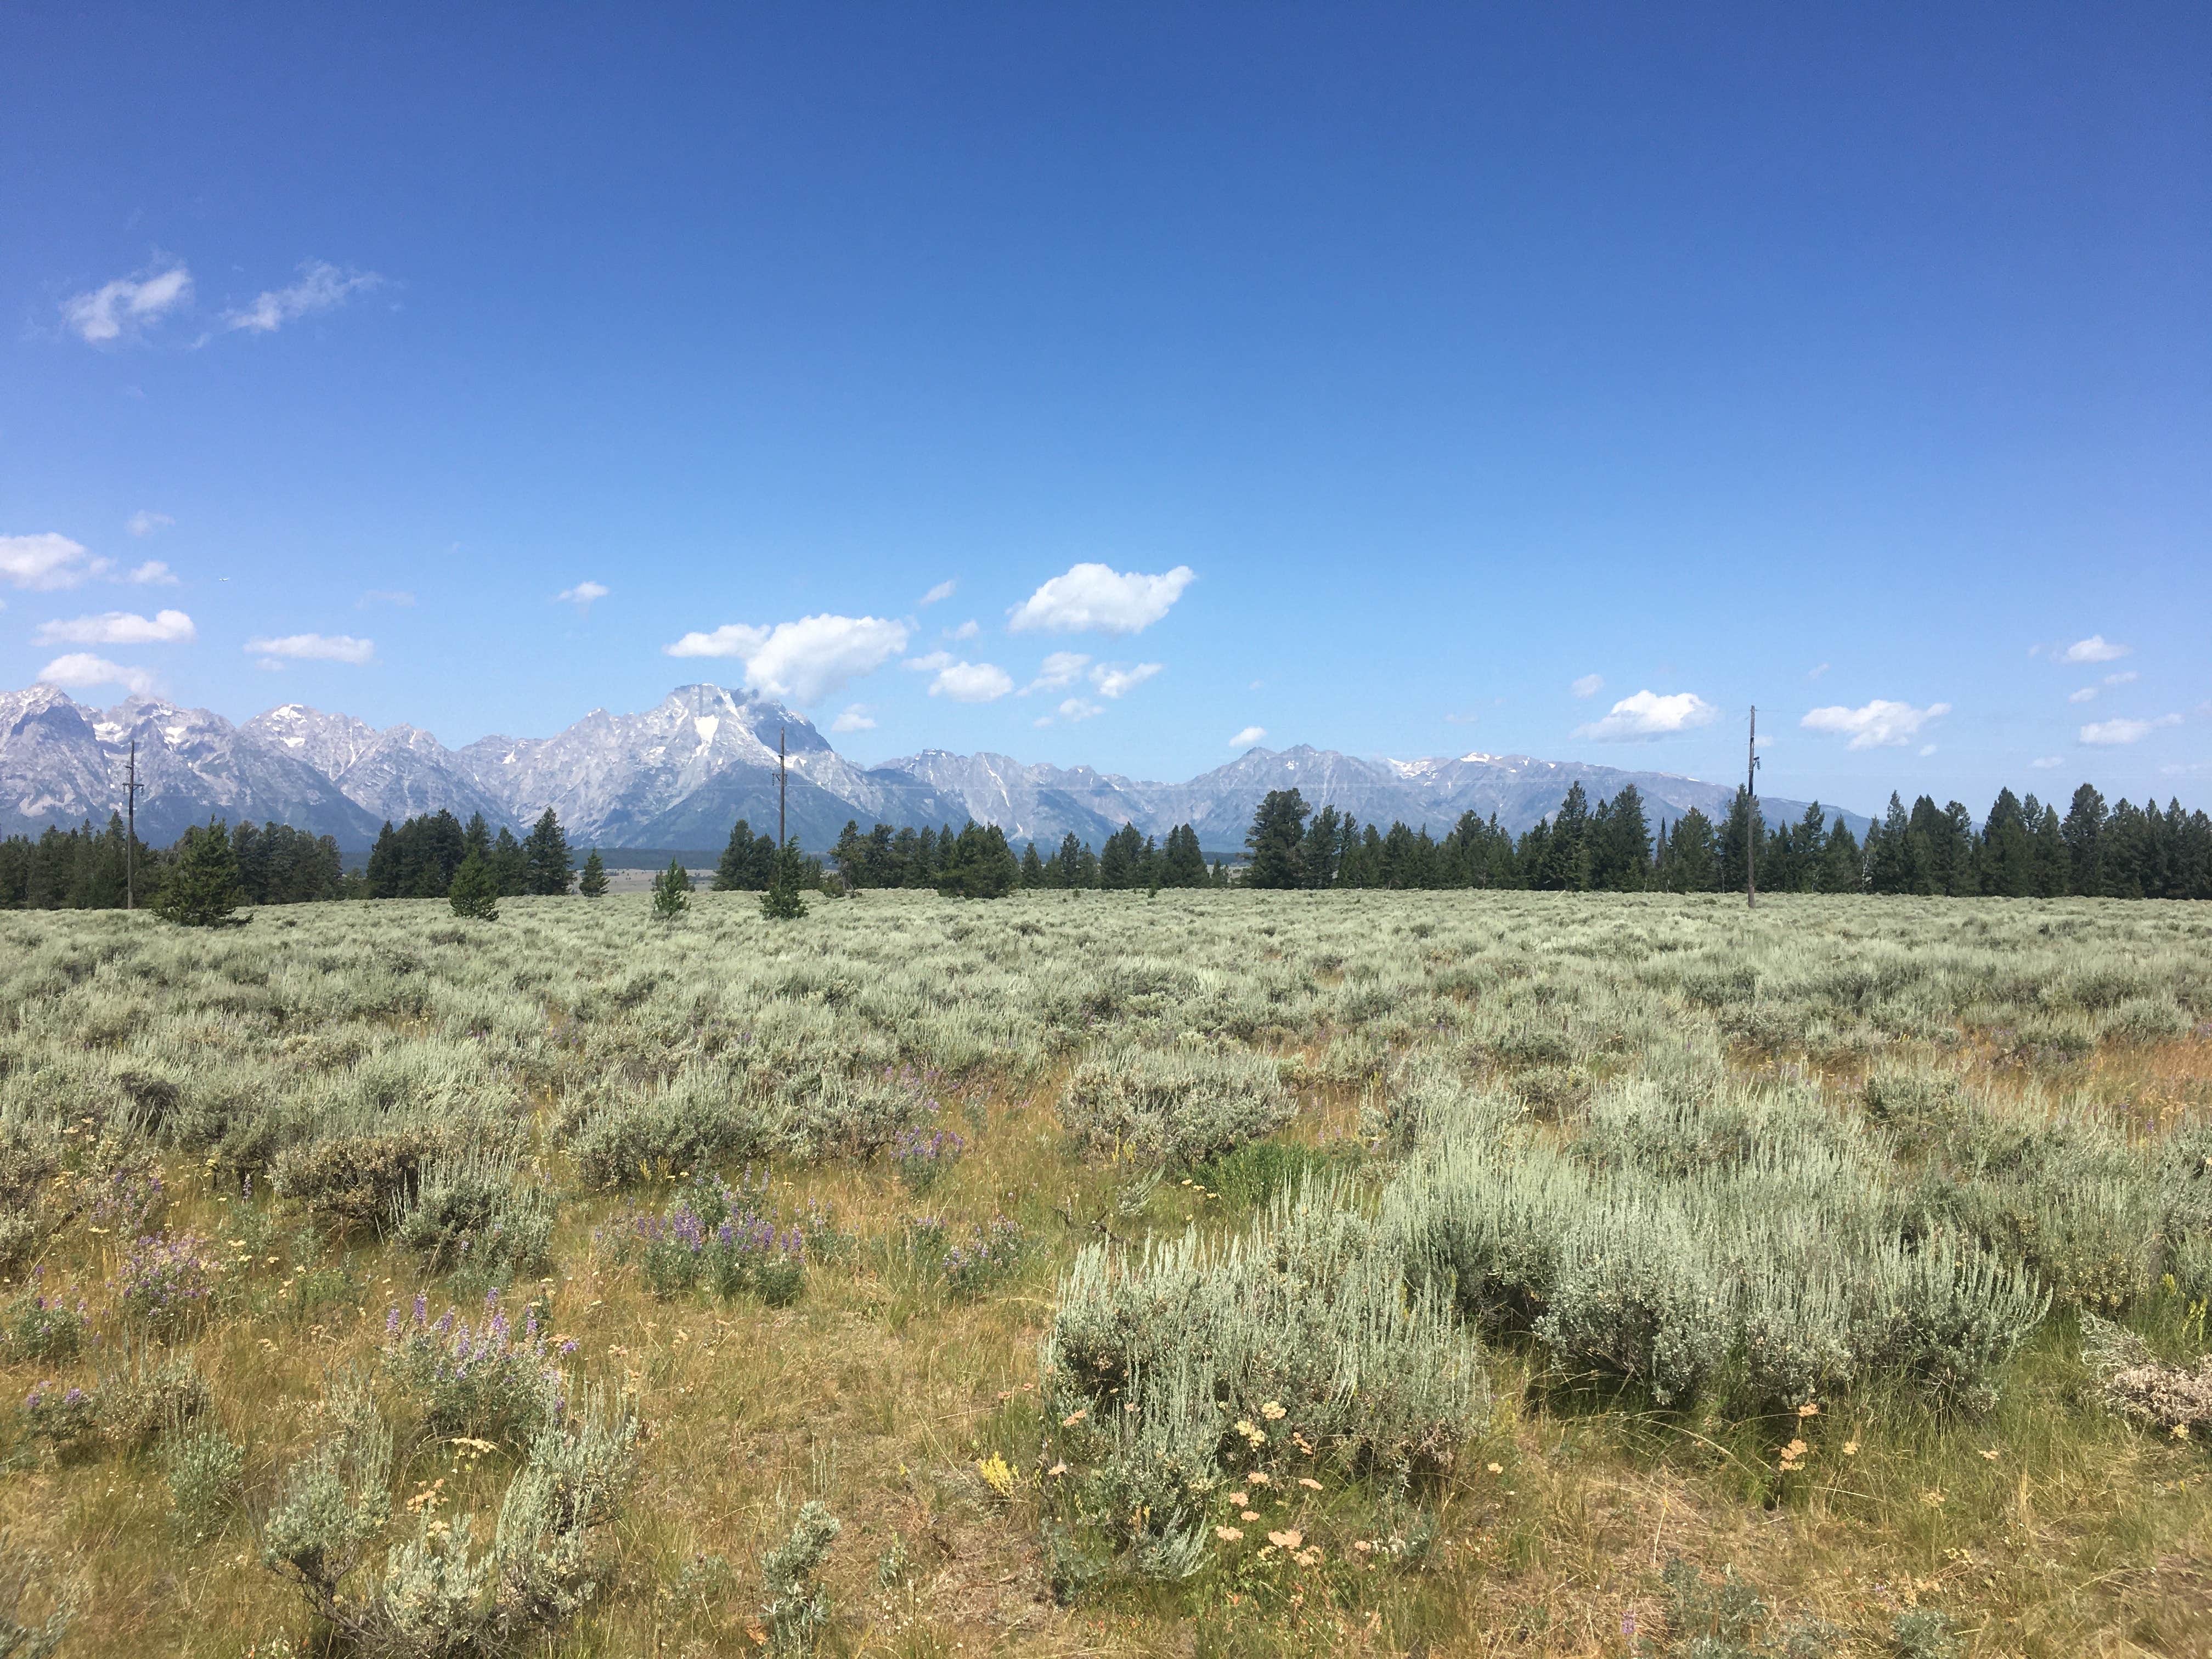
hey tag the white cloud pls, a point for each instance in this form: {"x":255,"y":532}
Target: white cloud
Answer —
{"x":1078,"y":708}
{"x":1879,"y":724}
{"x":804,"y":660}
{"x":2046,"y":762}
{"x":81,"y":669}
{"x":313,"y":647}
{"x":2095,"y":648}
{"x":1113,"y":680}
{"x":126,"y":304}
{"x":2087,"y":693}
{"x":856,"y":717}
{"x":322,"y":287}
{"x":118,"y":628}
{"x":46,"y":563}
{"x":1647,"y":714}
{"x":929,"y":662}
{"x":2125,"y":676}
{"x":972,"y":682}
{"x":397,"y":595}
{"x":152,"y":573}
{"x":1248,"y":736}
{"x":1926,"y":750}
{"x":2104,"y":734}
{"x":1814,"y":673}
{"x":967,"y":630}
{"x":1462,"y":720}
{"x":582,"y":594}
{"x":1094,"y":597}
{"x":1588,"y":686}
{"x":942,"y":591}
{"x":1061,"y":669}
{"x":142,"y":522}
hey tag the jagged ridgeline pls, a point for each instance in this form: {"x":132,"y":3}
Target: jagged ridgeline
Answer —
{"x":1086,"y":1266}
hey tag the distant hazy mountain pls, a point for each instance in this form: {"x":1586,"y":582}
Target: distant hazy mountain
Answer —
{"x":679,"y":773}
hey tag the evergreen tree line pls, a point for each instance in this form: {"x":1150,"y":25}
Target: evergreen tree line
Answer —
{"x":2023,"y":849}
{"x":949,"y":861}
{"x":420,"y":859}
{"x":84,"y":868}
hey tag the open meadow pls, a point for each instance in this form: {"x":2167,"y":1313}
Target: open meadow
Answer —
{"x":1215,"y":1272}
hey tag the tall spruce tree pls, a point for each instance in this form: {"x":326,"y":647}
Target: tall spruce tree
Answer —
{"x":594,"y":883}
{"x":672,"y":892}
{"x":548,"y":869}
{"x":1277,"y":826}
{"x":201,"y":888}
{"x":474,"y":890}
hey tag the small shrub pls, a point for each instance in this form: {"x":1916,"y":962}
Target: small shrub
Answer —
{"x":1181,"y":1106}
{"x":356,"y":1180}
{"x":152,"y":1395}
{"x":205,"y":1469}
{"x":2135,"y":1383}
{"x":797,"y":1606}
{"x":1923,"y":1633}
{"x":164,"y":1281}
{"x":724,"y":1237}
{"x":923,"y":1156}
{"x":691,"y":1121}
{"x":490,"y":1380}
{"x":470,"y":1210}
{"x":988,"y":1254}
{"x":37,"y":1327}
{"x":60,"y":1416}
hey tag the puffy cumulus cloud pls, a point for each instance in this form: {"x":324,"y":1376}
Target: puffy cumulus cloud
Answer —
{"x":142,"y":522}
{"x":311,"y":647}
{"x":803,"y":661}
{"x":1588,"y":686}
{"x":1078,"y":708}
{"x":582,"y":594}
{"x":152,"y":573}
{"x":2095,"y":648}
{"x":1061,"y":669}
{"x":46,"y":563}
{"x":971,"y":681}
{"x":2107,"y":734}
{"x":118,"y":628}
{"x":128,"y":305}
{"x":942,"y":591}
{"x":1248,"y":736}
{"x":856,"y":717}
{"x":81,"y":669}
{"x":322,"y":287}
{"x":1879,"y":724}
{"x":1095,"y":598}
{"x":1114,"y":679}
{"x":1647,"y":715}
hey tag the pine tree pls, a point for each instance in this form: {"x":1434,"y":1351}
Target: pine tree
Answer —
{"x":734,"y":874}
{"x":201,"y":889}
{"x":1182,"y":864}
{"x":1033,"y":875}
{"x":510,"y":868}
{"x":1691,"y":863}
{"x":672,"y":892}
{"x":780,"y":899}
{"x":474,"y":890}
{"x":594,"y":882}
{"x":1277,"y":826}
{"x":2082,"y":829}
{"x":545,"y":858}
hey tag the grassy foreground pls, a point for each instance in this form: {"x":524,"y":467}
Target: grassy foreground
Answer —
{"x":1595,"y":1147}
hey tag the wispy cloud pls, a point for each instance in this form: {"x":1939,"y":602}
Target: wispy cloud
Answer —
{"x":395,"y":596}
{"x":81,"y":669}
{"x":1814,"y":673}
{"x":971,"y":681}
{"x":47,"y":562}
{"x":967,"y":630}
{"x":1588,"y":686}
{"x":582,"y":594}
{"x":2087,"y":693}
{"x":1646,"y":715}
{"x":804,"y":660}
{"x":118,"y":628}
{"x":2048,"y":762}
{"x":1097,"y":598}
{"x":1248,"y":736}
{"x":1114,"y":679}
{"x":856,"y":717}
{"x":322,"y":286}
{"x":142,"y":522}
{"x":2095,"y":648}
{"x":1879,"y":724}
{"x":942,"y":591}
{"x":1078,"y":708}
{"x":313,"y":647}
{"x":1061,"y":669}
{"x":126,"y":307}
{"x":152,"y":573}
{"x":2105,"y":734}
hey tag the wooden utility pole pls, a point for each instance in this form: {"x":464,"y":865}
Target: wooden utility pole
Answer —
{"x":781,"y":791}
{"x":131,"y":834}
{"x":1751,"y":816}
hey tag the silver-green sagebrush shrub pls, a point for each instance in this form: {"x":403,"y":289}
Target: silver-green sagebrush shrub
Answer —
{"x":795,"y":1604}
{"x":490,"y":1379}
{"x":1181,"y":1106}
{"x":474,"y":1210}
{"x":204,"y":1468}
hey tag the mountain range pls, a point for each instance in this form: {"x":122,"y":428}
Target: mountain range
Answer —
{"x":678,"y":774}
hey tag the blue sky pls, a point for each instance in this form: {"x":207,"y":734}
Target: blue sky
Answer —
{"x":1403,"y":381}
